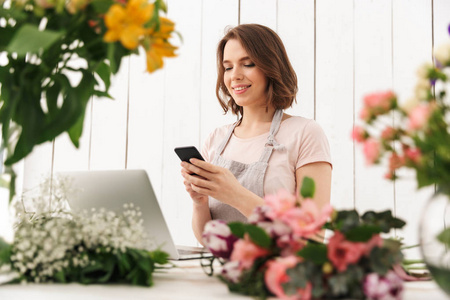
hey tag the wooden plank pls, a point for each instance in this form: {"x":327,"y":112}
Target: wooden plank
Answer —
{"x":263,"y":12}
{"x":109,"y":124}
{"x":217,"y":16}
{"x":295,"y":21}
{"x":373,"y":73}
{"x":412,"y":35}
{"x":69,"y":158}
{"x":334,"y":91}
{"x":181,"y":115}
{"x":145,"y":134}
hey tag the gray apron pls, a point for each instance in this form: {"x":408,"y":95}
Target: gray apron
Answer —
{"x":250,"y":176}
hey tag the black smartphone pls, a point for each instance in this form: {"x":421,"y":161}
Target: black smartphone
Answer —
{"x":186,"y":153}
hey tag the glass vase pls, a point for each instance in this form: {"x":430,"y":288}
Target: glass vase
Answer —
{"x":436,"y":253}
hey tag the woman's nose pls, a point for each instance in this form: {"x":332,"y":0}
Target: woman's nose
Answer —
{"x":236,"y":74}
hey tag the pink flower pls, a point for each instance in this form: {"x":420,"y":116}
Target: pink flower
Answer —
{"x":307,"y":220}
{"x":388,"y":287}
{"x":388,"y":133}
{"x":413,"y":155}
{"x":276,"y":275}
{"x":279,"y":203}
{"x":358,"y":134}
{"x":365,"y":114}
{"x":245,"y":252}
{"x":380,"y":101}
{"x":419,"y":116}
{"x":218,"y":239}
{"x":395,"y":162}
{"x":371,"y":149}
{"x":342,"y":252}
{"x":375,"y":241}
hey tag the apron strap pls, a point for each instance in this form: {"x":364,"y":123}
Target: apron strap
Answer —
{"x":226,"y":139}
{"x":271,"y":143}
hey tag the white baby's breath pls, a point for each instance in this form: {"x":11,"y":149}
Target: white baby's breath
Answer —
{"x":54,"y":240}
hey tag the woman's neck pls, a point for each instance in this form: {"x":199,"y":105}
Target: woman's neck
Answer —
{"x":254,"y":122}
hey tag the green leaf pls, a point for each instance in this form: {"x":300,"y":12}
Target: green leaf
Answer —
{"x":29,"y":39}
{"x":362,"y":233}
{"x":258,"y":236}
{"x":104,"y":71}
{"x":5,"y":252}
{"x":444,"y":237}
{"x":308,"y":188}
{"x":317,"y":253}
{"x":160,"y":257}
{"x":237,"y":229}
{"x":6,"y":34}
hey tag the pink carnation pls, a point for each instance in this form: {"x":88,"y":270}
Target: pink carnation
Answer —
{"x":380,"y":101}
{"x":388,"y":133}
{"x":375,"y":241}
{"x":413,"y":154}
{"x":419,"y":116}
{"x":276,"y":275}
{"x":307,"y":219}
{"x":371,"y":149}
{"x":217,"y":237}
{"x":279,"y":203}
{"x":388,"y":287}
{"x":358,"y":134}
{"x":246,"y":252}
{"x":342,"y":252}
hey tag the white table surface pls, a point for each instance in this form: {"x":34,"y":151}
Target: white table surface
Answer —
{"x":185,"y":282}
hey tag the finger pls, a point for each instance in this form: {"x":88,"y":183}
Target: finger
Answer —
{"x":191,"y":169}
{"x":201,"y":190}
{"x":204,"y":165}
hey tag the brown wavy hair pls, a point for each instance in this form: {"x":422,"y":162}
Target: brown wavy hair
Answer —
{"x":267,"y":52}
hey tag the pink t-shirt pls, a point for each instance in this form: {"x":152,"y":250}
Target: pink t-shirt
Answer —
{"x":304,"y":140}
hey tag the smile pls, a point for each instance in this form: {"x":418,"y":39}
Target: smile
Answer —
{"x":240,"y":88}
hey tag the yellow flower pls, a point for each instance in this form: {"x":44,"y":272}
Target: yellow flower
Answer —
{"x":126,"y":24}
{"x":157,"y":50}
{"x":166,"y":27}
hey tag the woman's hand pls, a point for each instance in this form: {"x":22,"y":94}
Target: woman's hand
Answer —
{"x":210,"y":180}
{"x":198,"y":198}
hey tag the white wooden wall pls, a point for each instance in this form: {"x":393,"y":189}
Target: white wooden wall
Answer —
{"x":340,"y":50}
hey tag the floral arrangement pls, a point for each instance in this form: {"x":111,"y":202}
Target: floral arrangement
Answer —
{"x":418,"y":139}
{"x":57,"y":54}
{"x":279,"y":251}
{"x":87,"y":247}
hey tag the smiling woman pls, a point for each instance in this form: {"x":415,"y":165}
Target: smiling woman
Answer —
{"x":265,"y":150}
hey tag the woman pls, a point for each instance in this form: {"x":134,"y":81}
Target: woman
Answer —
{"x":266,"y":150}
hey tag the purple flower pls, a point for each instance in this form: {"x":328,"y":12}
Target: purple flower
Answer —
{"x":388,"y":287}
{"x":218,"y":238}
{"x":232,"y":271}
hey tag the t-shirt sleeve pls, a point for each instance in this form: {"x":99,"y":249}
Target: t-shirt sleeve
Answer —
{"x":314,"y":145}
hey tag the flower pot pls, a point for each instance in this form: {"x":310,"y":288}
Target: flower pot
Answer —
{"x":435,"y":252}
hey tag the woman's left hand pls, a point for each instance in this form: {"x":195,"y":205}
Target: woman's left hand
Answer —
{"x":212,"y":180}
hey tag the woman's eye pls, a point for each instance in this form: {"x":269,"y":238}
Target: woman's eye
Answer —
{"x":249,"y":65}
{"x":227,"y":69}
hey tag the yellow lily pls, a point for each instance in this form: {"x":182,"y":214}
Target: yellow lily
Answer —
{"x":126,"y":24}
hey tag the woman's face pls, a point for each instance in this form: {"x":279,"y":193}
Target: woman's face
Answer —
{"x":245,"y":82}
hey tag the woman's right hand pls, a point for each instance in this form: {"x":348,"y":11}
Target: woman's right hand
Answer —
{"x":198,"y":198}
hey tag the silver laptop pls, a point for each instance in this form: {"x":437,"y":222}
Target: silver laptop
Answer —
{"x":112,"y":189}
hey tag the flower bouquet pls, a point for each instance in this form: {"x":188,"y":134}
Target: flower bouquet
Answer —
{"x":419,"y":139}
{"x":279,"y":251}
{"x":56,"y":54}
{"x":98,"y":246}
